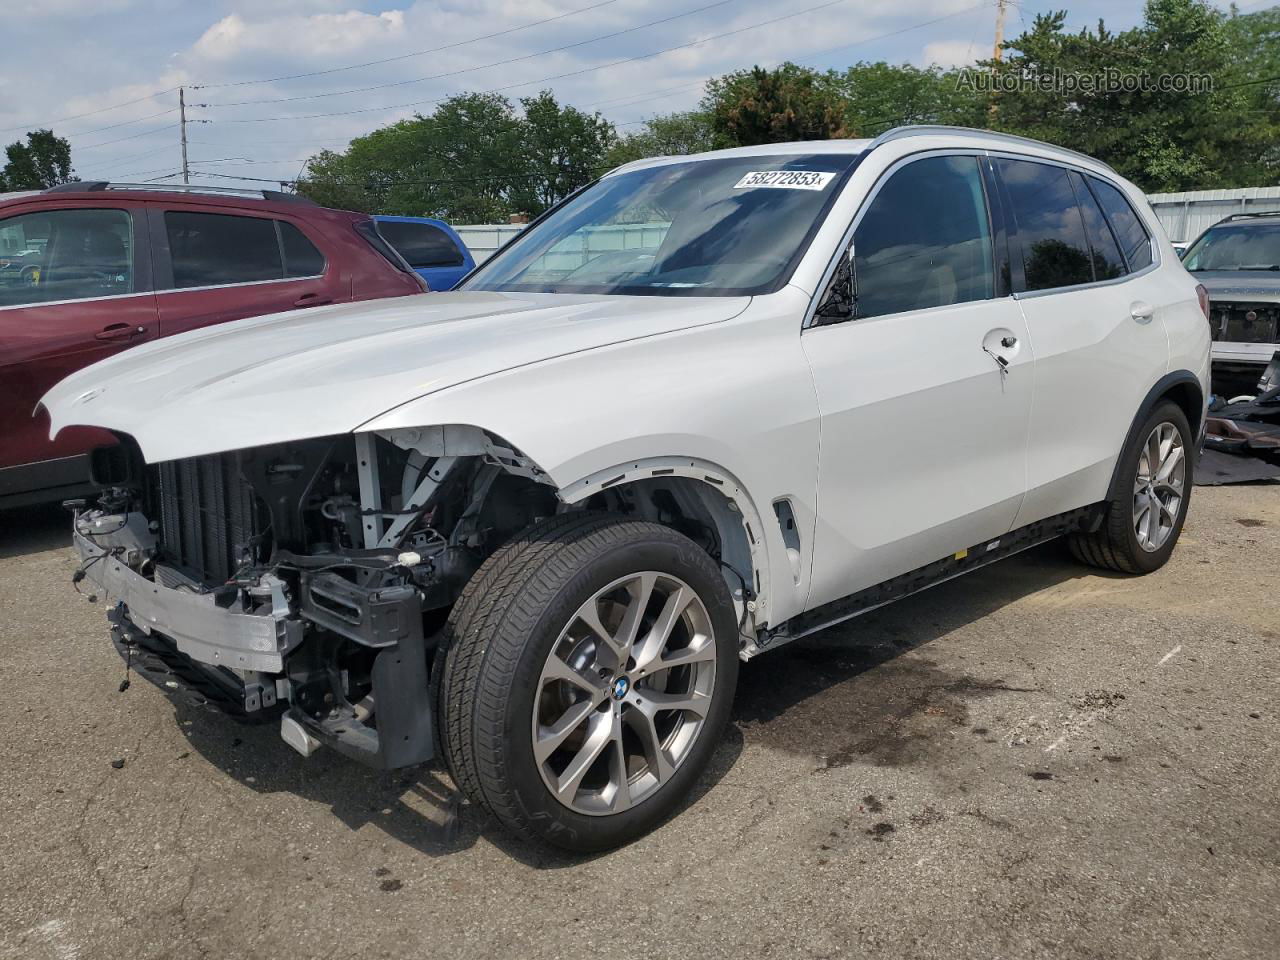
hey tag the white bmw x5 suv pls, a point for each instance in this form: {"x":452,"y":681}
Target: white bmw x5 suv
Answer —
{"x":703,"y":407}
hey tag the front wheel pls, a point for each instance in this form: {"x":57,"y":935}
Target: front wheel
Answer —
{"x":589,"y":675}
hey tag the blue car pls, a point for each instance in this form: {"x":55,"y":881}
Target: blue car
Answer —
{"x":431,"y":247}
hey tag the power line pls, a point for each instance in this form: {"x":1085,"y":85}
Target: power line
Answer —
{"x":130,"y":173}
{"x":89,"y":113}
{"x":635,"y":99}
{"x":121,"y":161}
{"x":404,"y":56}
{"x":135,"y":136}
{"x":653,"y":94}
{"x":293,"y":142}
{"x":483,"y":66}
{"x":559,"y":76}
{"x":123,"y":123}
{"x":1251,"y":83}
{"x":244,"y":162}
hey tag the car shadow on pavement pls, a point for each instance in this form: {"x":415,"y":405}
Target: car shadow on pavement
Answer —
{"x":848,"y":694}
{"x":417,"y":806}
{"x":807,"y":699}
{"x":35,"y":529}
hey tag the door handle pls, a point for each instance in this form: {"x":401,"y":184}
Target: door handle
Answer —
{"x":119,"y":331}
{"x":311,"y":300}
{"x":1141,"y":311}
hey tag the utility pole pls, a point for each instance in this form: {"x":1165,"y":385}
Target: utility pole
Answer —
{"x":997,"y":55}
{"x":182,"y":122}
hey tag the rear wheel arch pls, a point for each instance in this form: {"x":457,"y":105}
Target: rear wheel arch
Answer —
{"x":1180,"y":386}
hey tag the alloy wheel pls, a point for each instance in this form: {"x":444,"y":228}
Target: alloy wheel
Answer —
{"x":624,"y":693}
{"x":1158,"y":489}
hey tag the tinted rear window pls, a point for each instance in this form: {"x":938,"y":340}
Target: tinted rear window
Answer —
{"x":301,"y":258}
{"x":1107,"y":262}
{"x":210,"y":249}
{"x":1133,"y":237}
{"x":1051,"y":235}
{"x":422,"y":244}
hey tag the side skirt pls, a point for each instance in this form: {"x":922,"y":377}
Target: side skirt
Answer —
{"x":1083,"y":519}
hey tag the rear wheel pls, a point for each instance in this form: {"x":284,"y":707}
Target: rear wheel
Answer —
{"x":1149,"y":499}
{"x":590,"y":675}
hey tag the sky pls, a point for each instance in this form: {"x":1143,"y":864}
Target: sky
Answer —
{"x":271,"y":82}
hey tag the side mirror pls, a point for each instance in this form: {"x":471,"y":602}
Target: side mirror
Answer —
{"x":840,"y":300}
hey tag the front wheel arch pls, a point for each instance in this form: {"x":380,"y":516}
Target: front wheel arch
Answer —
{"x":727,"y":504}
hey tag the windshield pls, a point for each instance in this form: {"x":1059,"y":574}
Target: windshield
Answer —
{"x":1247,"y":245}
{"x":725,"y":227}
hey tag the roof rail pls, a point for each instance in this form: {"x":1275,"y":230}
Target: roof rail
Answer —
{"x":92,"y":186}
{"x":934,"y":129}
{"x":1248,"y":216}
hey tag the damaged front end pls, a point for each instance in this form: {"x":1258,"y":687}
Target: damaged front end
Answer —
{"x":1244,"y":326}
{"x":308,"y":580}
{"x":1242,"y":443}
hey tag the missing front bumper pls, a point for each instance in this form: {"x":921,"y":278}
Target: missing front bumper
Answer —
{"x":254,"y":665}
{"x":196,"y":624}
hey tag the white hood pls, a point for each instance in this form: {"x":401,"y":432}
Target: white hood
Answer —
{"x":311,"y":373}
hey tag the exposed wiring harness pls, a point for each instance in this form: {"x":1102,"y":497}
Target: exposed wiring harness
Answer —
{"x":82,"y":570}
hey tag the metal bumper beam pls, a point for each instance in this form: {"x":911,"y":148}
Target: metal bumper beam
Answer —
{"x":199,"y":627}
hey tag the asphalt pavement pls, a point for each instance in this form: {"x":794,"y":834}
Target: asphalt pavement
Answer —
{"x":1036,"y":760}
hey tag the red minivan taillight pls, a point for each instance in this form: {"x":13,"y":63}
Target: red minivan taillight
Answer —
{"x":1203,"y":296}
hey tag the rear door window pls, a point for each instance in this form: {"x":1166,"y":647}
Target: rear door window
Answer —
{"x":421,"y":244}
{"x":1051,"y":235}
{"x":213,"y":249}
{"x":1135,"y":242}
{"x":56,"y":255}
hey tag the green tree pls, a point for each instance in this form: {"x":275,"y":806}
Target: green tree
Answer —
{"x":474,"y":160}
{"x":564,"y":149}
{"x":757,"y":106}
{"x":378,"y":173}
{"x":43,"y":161}
{"x":670,"y":135}
{"x":1253,"y":45}
{"x":1163,"y":138}
{"x":879,"y":96}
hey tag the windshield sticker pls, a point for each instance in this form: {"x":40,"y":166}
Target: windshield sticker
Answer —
{"x":785,"y":179}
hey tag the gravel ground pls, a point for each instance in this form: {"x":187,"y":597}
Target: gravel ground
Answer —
{"x":1035,"y":760}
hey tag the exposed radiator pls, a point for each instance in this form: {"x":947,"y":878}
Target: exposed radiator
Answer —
{"x":207,"y":516}
{"x":1245,"y":322}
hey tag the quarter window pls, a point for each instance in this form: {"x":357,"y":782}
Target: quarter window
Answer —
{"x":421,"y":244}
{"x":1107,"y":262}
{"x":1051,"y":237}
{"x":925,"y":239}
{"x":60,"y":255}
{"x":215,"y":249}
{"x":1135,"y":242}
{"x":301,"y":258}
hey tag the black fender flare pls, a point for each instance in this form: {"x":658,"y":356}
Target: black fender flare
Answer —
{"x":1181,"y":380}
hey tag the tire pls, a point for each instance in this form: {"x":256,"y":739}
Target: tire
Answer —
{"x":1118,"y":544}
{"x":620,"y":742}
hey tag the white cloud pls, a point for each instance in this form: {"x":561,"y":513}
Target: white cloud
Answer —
{"x":953,"y":53}
{"x":148,"y":46}
{"x":316,"y":36}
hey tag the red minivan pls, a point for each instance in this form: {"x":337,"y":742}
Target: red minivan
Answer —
{"x":89,"y":269}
